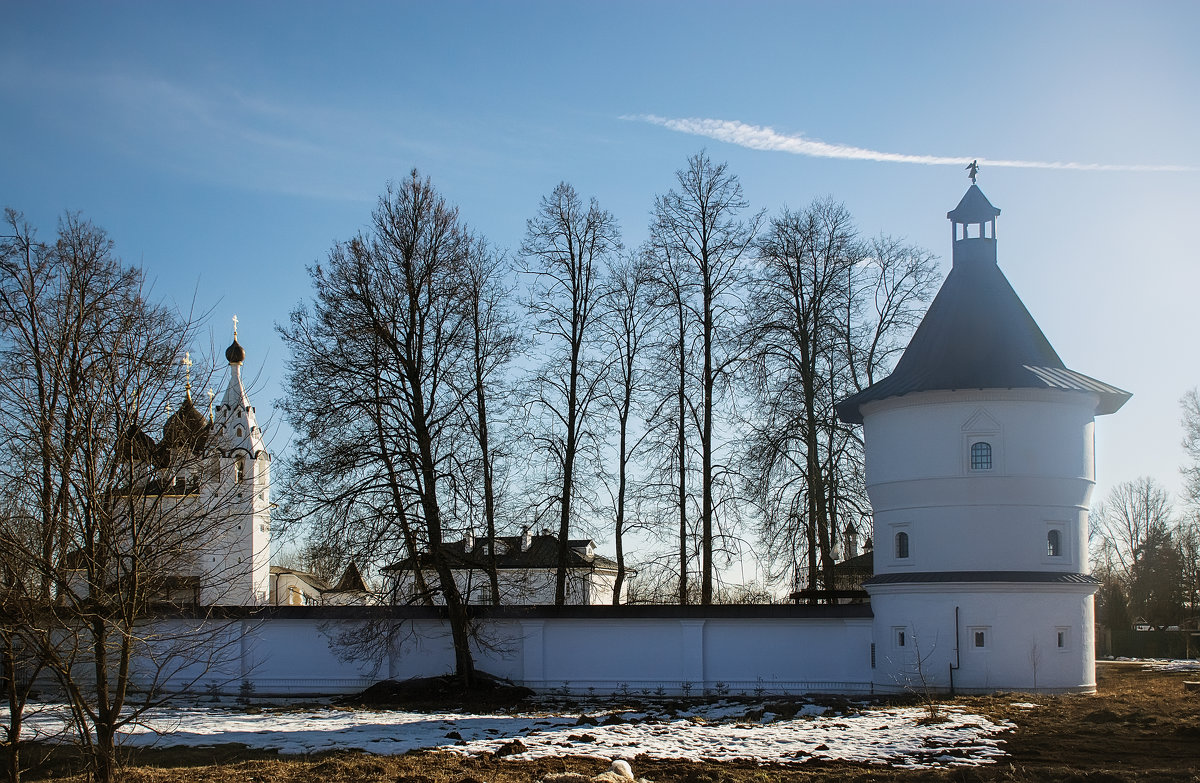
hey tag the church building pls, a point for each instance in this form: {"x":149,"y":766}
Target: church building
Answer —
{"x":980,"y":469}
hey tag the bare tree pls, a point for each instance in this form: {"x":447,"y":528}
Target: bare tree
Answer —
{"x":495,"y":341}
{"x":1191,"y":446}
{"x":565,"y":247}
{"x":700,"y":223}
{"x":829,"y":311}
{"x":668,"y":424}
{"x":629,"y":320}
{"x":379,"y":383}
{"x":101,"y":530}
{"x":1123,"y":522}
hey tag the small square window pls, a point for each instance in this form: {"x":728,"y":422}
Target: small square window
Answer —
{"x":980,"y":639}
{"x":901,"y":636}
{"x":1062,"y":638}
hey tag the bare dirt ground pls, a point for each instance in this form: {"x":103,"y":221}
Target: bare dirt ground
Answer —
{"x":1141,"y":726}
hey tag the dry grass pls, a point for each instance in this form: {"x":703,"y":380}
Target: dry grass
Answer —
{"x":1141,"y":726}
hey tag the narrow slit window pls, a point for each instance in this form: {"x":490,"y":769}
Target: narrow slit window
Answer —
{"x":1054,"y":544}
{"x":239,"y":470}
{"x":980,"y":639}
{"x":901,"y":546}
{"x":981,"y":455}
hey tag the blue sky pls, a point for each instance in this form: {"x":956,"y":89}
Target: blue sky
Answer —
{"x":225,"y":146}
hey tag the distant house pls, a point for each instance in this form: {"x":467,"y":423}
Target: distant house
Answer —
{"x":526,"y":569}
{"x":291,"y":587}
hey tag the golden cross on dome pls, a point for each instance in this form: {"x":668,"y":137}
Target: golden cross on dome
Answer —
{"x":187,"y":363}
{"x":235,"y":326}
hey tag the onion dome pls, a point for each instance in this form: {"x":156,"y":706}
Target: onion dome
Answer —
{"x":136,"y":444}
{"x":186,"y":428}
{"x":235,"y":353}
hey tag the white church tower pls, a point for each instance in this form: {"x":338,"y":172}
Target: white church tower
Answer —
{"x":237,"y":570}
{"x":980,"y":469}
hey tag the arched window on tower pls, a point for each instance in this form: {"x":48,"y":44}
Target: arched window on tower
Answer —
{"x":981,"y":455}
{"x":239,"y":470}
{"x":1054,"y":544}
{"x":901,"y":545}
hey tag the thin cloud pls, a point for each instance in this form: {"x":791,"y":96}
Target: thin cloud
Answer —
{"x":758,"y":137}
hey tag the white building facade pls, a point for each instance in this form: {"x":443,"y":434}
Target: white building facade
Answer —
{"x":980,"y":469}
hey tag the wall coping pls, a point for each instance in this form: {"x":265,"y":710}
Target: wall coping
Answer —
{"x":541,"y":612}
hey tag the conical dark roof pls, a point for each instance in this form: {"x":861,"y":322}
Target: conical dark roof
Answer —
{"x":974,"y":208}
{"x":351,"y":580}
{"x":977,"y":334}
{"x":186,"y":428}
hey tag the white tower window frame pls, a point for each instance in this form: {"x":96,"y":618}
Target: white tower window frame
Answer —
{"x":1064,"y":556}
{"x":896,"y":529}
{"x":982,"y":428}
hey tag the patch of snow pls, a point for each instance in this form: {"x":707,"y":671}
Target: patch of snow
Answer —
{"x":892,"y":736}
{"x":1024,"y":705}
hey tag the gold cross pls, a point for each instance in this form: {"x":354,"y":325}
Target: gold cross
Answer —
{"x":235,"y":326}
{"x":187,"y":362}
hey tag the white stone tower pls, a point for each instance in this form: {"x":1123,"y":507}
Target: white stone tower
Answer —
{"x":237,"y":570}
{"x":980,"y":468}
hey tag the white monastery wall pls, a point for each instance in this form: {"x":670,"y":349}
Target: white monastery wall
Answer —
{"x":649,"y":654}
{"x":1021,"y":644}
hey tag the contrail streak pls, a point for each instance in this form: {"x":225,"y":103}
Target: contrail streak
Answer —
{"x":757,"y":137}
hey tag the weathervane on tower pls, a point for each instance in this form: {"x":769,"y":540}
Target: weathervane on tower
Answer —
{"x":972,"y":172}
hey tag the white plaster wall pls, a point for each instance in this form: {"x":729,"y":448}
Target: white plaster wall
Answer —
{"x":1020,"y":623}
{"x":601,"y":655}
{"x":920,"y":482}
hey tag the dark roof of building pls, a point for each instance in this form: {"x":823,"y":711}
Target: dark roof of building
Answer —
{"x":977,"y":334}
{"x":974,"y":207}
{"x":186,"y":428}
{"x":312,"y":580}
{"x":860,"y":564}
{"x":351,"y":581}
{"x":542,"y":553}
{"x":1040,"y":577}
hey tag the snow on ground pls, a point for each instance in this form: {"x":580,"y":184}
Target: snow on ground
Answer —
{"x":1165,"y":664}
{"x":721,"y":731}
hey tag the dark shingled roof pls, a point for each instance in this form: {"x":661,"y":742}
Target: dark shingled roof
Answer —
{"x":1040,"y":577}
{"x":977,"y":334}
{"x":186,"y":428}
{"x":542,"y":553}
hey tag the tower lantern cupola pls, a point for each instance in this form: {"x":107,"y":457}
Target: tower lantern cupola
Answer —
{"x":974,"y":223}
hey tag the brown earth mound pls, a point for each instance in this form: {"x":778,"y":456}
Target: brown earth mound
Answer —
{"x":483,"y":692}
